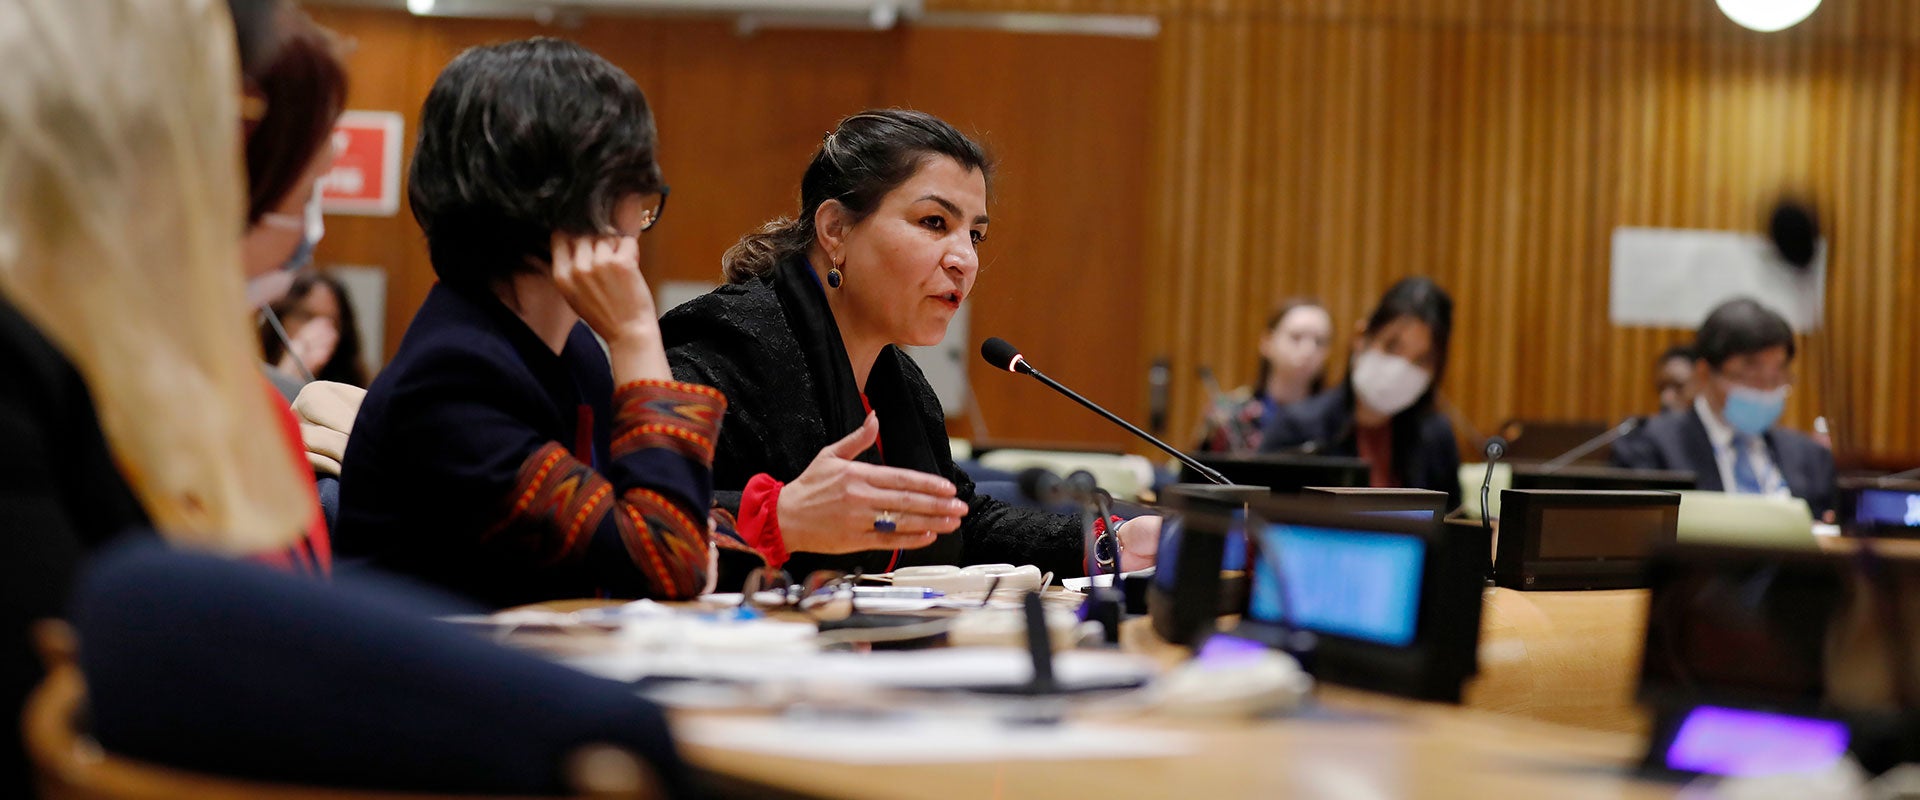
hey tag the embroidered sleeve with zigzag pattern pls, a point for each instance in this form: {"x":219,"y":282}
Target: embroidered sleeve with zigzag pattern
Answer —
{"x":641,"y":529}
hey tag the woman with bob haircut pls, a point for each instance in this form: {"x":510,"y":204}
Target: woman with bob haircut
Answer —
{"x":502,"y":454}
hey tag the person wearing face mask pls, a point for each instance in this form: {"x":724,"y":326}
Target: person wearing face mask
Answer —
{"x":1384,"y":412}
{"x":1729,"y":436}
{"x":302,"y":92}
{"x":1293,"y":367}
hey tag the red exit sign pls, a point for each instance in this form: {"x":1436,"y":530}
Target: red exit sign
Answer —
{"x":365,"y":178}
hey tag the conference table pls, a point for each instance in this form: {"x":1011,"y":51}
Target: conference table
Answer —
{"x":1342,"y":743}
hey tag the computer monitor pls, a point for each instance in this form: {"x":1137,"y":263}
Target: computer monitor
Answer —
{"x":1552,"y":540}
{"x":1202,"y":558}
{"x":1382,"y":603}
{"x":1878,"y":507}
{"x":1806,"y":634}
{"x":1284,"y":473}
{"x":1587,"y":478}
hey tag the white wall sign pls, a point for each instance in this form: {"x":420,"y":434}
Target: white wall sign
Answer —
{"x":1672,"y":277}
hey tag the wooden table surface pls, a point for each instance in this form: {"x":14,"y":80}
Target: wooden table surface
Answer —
{"x":1344,"y":744}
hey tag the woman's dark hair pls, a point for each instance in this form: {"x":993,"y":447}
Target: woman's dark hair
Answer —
{"x":305,"y":89}
{"x":866,"y":156}
{"x":519,"y":141}
{"x":1739,"y":327}
{"x":1678,"y":351}
{"x":1421,"y":299}
{"x":1266,"y":368}
{"x":345,"y":365}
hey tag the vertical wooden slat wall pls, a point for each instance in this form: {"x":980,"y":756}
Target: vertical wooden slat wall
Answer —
{"x":1328,"y":148}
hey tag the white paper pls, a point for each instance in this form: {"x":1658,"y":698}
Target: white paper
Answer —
{"x":1082,"y":584}
{"x":938,"y":668}
{"x":1672,"y":277}
{"x":926,"y":739}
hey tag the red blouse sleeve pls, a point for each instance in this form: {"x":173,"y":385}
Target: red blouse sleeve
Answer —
{"x":759,"y":521}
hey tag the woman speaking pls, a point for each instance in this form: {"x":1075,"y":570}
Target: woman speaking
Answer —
{"x":834,"y":448}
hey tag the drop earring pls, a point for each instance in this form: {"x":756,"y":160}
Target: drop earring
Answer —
{"x":834,"y":277}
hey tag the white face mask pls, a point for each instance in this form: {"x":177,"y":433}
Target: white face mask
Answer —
{"x":269,"y":288}
{"x":1387,"y":383}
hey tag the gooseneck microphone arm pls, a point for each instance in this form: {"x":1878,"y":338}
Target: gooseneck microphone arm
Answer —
{"x":1000,"y":353}
{"x":1612,"y":435}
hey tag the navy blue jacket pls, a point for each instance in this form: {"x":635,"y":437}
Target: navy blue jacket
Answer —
{"x":1677,"y":440}
{"x":235,"y":669}
{"x":484,"y":463}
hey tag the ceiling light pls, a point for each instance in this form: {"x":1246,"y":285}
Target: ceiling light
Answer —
{"x":1768,"y":16}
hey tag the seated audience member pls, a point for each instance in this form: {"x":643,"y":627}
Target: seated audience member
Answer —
{"x":1384,"y":412}
{"x":1674,"y":378}
{"x":132,"y":398}
{"x":502,"y":453}
{"x":1728,"y":438}
{"x":320,"y":327}
{"x":1293,"y":367}
{"x":835,"y":447}
{"x":289,"y":148}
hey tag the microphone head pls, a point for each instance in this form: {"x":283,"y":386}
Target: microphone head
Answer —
{"x":1001,"y":353}
{"x":1082,"y":483}
{"x":1495,"y":448}
{"x":1041,"y":485}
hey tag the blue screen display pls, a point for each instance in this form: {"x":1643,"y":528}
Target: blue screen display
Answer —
{"x":1888,"y":507}
{"x":1347,"y":583}
{"x":1415,"y":514}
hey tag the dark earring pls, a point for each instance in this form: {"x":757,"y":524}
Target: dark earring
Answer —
{"x":833,"y":277}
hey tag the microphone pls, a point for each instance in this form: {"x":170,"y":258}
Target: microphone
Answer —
{"x":1080,"y":485}
{"x":1626,"y":426}
{"x":1494,"y":449}
{"x":1001,"y":353}
{"x":1040,"y":485}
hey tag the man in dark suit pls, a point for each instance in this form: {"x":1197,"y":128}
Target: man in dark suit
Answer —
{"x":1728,"y":437}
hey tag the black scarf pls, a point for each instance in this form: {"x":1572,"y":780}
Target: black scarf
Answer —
{"x":904,"y":435}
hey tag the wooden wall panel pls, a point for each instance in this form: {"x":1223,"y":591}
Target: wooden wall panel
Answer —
{"x":739,"y":117}
{"x":1304,"y":150}
{"x":1285,"y":147}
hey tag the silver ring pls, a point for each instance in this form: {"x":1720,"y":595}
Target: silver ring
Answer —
{"x":886,"y":522}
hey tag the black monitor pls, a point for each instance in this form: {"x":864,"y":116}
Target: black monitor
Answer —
{"x":1803,"y":636}
{"x":1201,"y":571}
{"x":1552,"y":540}
{"x":1879,"y":507}
{"x":1284,"y":473}
{"x":1586,"y":478}
{"x":1381,"y":603}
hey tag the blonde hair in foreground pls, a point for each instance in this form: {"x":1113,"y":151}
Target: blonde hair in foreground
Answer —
{"x":120,"y":216}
